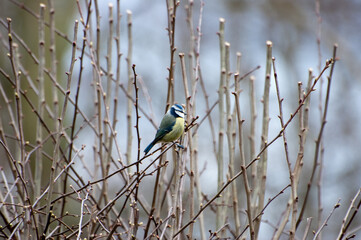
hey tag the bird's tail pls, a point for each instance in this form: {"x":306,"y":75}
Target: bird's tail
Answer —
{"x":147,"y":149}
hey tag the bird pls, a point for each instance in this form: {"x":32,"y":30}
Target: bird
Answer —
{"x":170,"y":128}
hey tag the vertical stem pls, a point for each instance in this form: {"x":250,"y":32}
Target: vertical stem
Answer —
{"x":75,"y":113}
{"x":231,"y":142}
{"x":303,"y":128}
{"x":195,"y":76}
{"x":262,"y":165}
{"x":231,"y":149}
{"x":60,"y":127}
{"x":98,"y":39}
{"x":320,"y":142}
{"x":195,"y":40}
{"x":13,"y":124}
{"x":129,"y":89}
{"x":307,"y":102}
{"x":171,"y":12}
{"x":116,"y":94}
{"x":53,"y":72}
{"x":175,"y":199}
{"x":319,"y":138}
{"x":243,"y":167}
{"x":241,"y":142}
{"x":106,"y":122}
{"x":220,"y":160}
{"x":133,"y":213}
{"x":18,"y":165}
{"x":98,"y":99}
{"x":319,"y":178}
{"x":98,"y":148}
{"x":252,"y":96}
{"x":293,"y":202}
{"x":41,"y":103}
{"x":190,"y":145}
{"x":109,"y":136}
{"x":135,"y":204}
{"x":53,"y":60}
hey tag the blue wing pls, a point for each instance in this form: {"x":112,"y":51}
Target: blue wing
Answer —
{"x":165,"y":127}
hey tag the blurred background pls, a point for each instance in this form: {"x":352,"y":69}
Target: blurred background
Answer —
{"x":294,"y":28}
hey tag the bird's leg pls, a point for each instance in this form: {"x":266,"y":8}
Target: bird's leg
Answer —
{"x":179,"y":145}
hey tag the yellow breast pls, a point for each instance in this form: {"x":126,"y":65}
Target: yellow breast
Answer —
{"x":176,"y":132}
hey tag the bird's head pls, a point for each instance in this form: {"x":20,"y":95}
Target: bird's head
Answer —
{"x":177,"y":110}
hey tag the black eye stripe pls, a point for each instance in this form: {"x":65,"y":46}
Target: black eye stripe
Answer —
{"x":177,"y":109}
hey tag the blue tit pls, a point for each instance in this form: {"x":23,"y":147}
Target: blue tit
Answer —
{"x":171,"y":127}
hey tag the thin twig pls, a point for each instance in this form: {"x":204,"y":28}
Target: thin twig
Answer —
{"x":309,"y":220}
{"x":320,"y":134}
{"x":353,"y":206}
{"x":328,"y":63}
{"x":326,"y":220}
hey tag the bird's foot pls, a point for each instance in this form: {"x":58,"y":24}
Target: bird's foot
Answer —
{"x":180,"y":146}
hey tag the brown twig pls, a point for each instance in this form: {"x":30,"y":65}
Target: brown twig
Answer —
{"x":346,"y":224}
{"x":327,"y":65}
{"x":264,"y":208}
{"x":320,"y":134}
{"x":337,"y":205}
{"x":75,"y":113}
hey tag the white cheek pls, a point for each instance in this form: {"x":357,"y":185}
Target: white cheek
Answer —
{"x":180,"y":114}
